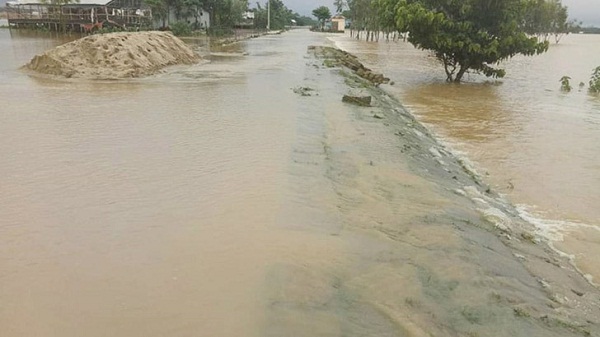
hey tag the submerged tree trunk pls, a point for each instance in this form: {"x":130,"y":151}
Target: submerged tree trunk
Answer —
{"x":448,"y":68}
{"x":461,"y":72}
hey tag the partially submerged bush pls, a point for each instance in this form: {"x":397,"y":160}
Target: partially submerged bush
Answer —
{"x":595,"y":81}
{"x":565,"y":84}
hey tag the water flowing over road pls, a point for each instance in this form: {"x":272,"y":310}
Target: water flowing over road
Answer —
{"x":213,"y":200}
{"x":534,"y":143}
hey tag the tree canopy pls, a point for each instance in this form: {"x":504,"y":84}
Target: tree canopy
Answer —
{"x":226,"y":14}
{"x":339,"y":5}
{"x":467,"y":35}
{"x":223,"y":13}
{"x":547,"y":17}
{"x":322,"y":13}
{"x":464,"y":35}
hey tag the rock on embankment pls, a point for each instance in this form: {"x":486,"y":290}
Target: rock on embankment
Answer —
{"x":349,"y":61}
{"x":115,"y":55}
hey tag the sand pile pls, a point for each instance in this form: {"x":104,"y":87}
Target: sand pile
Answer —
{"x":116,"y":55}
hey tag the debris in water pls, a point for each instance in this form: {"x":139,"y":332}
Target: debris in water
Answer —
{"x":357,"y":100}
{"x":304,"y":91}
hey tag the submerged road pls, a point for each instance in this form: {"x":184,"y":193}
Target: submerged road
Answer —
{"x":214,"y":200}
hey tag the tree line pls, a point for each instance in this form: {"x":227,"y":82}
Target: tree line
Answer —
{"x":226,"y":14}
{"x":541,"y":18}
{"x":467,"y":35}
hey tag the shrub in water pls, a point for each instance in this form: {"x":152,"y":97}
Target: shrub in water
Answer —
{"x":595,"y":81}
{"x":565,"y":85}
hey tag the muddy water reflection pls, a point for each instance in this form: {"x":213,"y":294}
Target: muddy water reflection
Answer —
{"x":537,"y":144}
{"x":145,"y":208}
{"x":214,"y":201}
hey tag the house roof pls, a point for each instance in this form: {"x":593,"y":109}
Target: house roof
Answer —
{"x":338,"y":17}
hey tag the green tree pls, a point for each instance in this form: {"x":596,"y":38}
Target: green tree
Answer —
{"x":467,"y":35}
{"x":364,"y":17}
{"x":303,"y":20}
{"x":386,"y":18}
{"x":281,"y":16}
{"x":595,"y":81}
{"x":545,"y":18}
{"x":189,"y":8}
{"x":322,"y":13}
{"x":224,"y":13}
{"x":339,"y":5}
{"x":565,"y":83}
{"x":159,"y":10}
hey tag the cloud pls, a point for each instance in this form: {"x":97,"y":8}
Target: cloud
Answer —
{"x":587,"y":11}
{"x":306,"y":6}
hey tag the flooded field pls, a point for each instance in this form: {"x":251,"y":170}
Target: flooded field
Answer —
{"x":534,"y":143}
{"x":212,"y":200}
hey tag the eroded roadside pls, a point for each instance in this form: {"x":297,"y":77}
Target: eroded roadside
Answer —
{"x":433,"y":251}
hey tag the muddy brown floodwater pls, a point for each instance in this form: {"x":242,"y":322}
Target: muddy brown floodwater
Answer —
{"x":536,"y":144}
{"x":212,"y":200}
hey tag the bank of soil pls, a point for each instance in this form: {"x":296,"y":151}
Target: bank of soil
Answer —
{"x":470,"y":266}
{"x":114,"y":56}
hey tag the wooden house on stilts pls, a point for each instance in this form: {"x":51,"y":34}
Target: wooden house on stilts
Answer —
{"x":84,"y":16}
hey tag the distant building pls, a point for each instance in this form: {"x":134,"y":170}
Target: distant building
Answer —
{"x":198,"y":19}
{"x":247,"y":20}
{"x":85,"y":15}
{"x":338,"y":23}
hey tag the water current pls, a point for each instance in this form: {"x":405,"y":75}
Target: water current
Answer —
{"x":533,"y":142}
{"x":212,"y":200}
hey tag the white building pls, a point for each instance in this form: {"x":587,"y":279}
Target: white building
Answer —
{"x":198,"y":20}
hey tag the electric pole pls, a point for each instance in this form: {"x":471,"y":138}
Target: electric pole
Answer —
{"x":269,"y":15}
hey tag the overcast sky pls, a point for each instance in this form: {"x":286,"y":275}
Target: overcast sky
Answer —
{"x":586,"y":10}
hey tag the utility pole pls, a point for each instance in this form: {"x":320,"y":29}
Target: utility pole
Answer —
{"x":269,"y":15}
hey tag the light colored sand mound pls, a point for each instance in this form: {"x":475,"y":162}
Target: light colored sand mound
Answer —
{"x":116,"y":55}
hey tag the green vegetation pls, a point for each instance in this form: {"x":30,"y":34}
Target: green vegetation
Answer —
{"x":225,"y":15}
{"x":595,"y":81}
{"x":339,"y":5}
{"x":542,"y":18}
{"x":545,"y":18}
{"x":565,"y":84}
{"x":181,"y":28}
{"x":589,"y":30}
{"x":594,"y":87}
{"x":160,"y":10}
{"x":281,"y":16}
{"x":322,"y":13}
{"x":113,"y":29}
{"x":520,"y":312}
{"x":466,"y":36}
{"x":474,"y":35}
